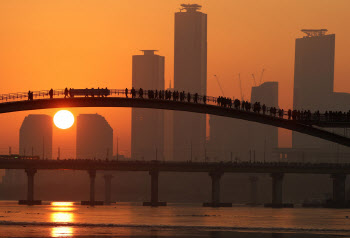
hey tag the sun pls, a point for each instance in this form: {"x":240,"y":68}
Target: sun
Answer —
{"x":63,"y":119}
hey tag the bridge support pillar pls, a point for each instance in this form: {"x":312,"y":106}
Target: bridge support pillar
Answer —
{"x":108,"y":188}
{"x":92,"y":202}
{"x":215,"y":191}
{"x":338,"y":200}
{"x":30,"y":189}
{"x":154,"y":191}
{"x":253,"y":180}
{"x":277,"y":185}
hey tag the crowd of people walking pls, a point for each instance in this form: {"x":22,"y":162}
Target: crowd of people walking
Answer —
{"x":182,"y":96}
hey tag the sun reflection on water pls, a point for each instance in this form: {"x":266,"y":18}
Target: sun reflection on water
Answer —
{"x":63,"y":214}
{"x":62,"y":217}
{"x":62,"y":231}
{"x":62,"y":206}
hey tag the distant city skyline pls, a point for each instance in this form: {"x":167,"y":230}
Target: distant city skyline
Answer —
{"x":236,"y":51}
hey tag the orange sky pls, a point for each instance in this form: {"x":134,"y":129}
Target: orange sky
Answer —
{"x":89,"y":43}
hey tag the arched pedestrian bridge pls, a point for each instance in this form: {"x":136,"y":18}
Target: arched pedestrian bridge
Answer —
{"x":116,"y":98}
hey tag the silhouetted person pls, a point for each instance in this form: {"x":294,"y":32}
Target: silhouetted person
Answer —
{"x":204,"y":99}
{"x":126,"y":92}
{"x":65,"y":92}
{"x":141,"y":93}
{"x":264,"y":108}
{"x":196,"y":97}
{"x":237,"y":103}
{"x":289,"y":114}
{"x":29,"y":96}
{"x":133,"y":92}
{"x":188,"y":97}
{"x":243,"y":104}
{"x":51,"y":93}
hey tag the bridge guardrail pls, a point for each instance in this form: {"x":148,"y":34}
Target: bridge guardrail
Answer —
{"x":270,"y":111}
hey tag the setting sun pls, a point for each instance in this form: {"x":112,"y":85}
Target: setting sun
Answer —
{"x":63,"y":119}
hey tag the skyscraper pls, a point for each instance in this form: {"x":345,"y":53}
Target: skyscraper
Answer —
{"x":313,"y":79}
{"x":147,"y":126}
{"x":94,"y":137}
{"x":35,"y":139}
{"x":313,"y":70}
{"x":264,"y":138}
{"x":35,"y":136}
{"x":190,"y":75}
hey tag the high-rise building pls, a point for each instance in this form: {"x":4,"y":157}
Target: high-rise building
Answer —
{"x":94,"y":137}
{"x":35,"y":139}
{"x":264,"y":138}
{"x":147,"y":126}
{"x":35,"y":136}
{"x":313,"y":70}
{"x":313,"y":79}
{"x":190,"y":75}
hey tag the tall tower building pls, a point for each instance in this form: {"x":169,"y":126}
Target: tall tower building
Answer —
{"x":94,"y":137}
{"x":35,"y":136}
{"x":147,"y":126}
{"x":313,"y":70}
{"x":35,"y":139}
{"x":190,"y":75}
{"x":313,"y":79}
{"x":264,"y":138}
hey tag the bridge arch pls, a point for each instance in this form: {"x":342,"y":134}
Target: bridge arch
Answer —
{"x":177,"y":106}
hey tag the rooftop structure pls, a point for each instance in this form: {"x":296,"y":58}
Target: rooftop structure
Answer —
{"x":148,"y":52}
{"x":190,"y":7}
{"x":314,"y":32}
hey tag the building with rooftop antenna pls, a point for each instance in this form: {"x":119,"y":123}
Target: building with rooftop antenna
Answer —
{"x":314,"y":32}
{"x":313,"y":79}
{"x":190,"y":75}
{"x":147,"y":130}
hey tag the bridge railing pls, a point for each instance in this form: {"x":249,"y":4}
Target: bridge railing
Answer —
{"x":270,"y":111}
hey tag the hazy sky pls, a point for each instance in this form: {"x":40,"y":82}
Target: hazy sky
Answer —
{"x":89,"y":43}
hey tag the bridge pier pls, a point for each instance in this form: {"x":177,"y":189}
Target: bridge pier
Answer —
{"x":92,"y":202}
{"x":215,"y":191}
{"x":108,"y":188}
{"x":339,"y":200}
{"x":277,"y":185}
{"x":154,"y":191}
{"x":253,"y":181}
{"x":30,"y":189}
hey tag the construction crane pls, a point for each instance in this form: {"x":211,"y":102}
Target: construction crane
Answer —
{"x":217,"y":80}
{"x":240,"y":86}
{"x":261,"y":76}
{"x":254,"y":79}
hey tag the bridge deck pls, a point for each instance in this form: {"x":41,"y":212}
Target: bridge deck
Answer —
{"x":226,"y":167}
{"x":304,"y":127}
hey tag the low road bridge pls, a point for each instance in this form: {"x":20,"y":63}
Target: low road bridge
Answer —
{"x":215,"y":170}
